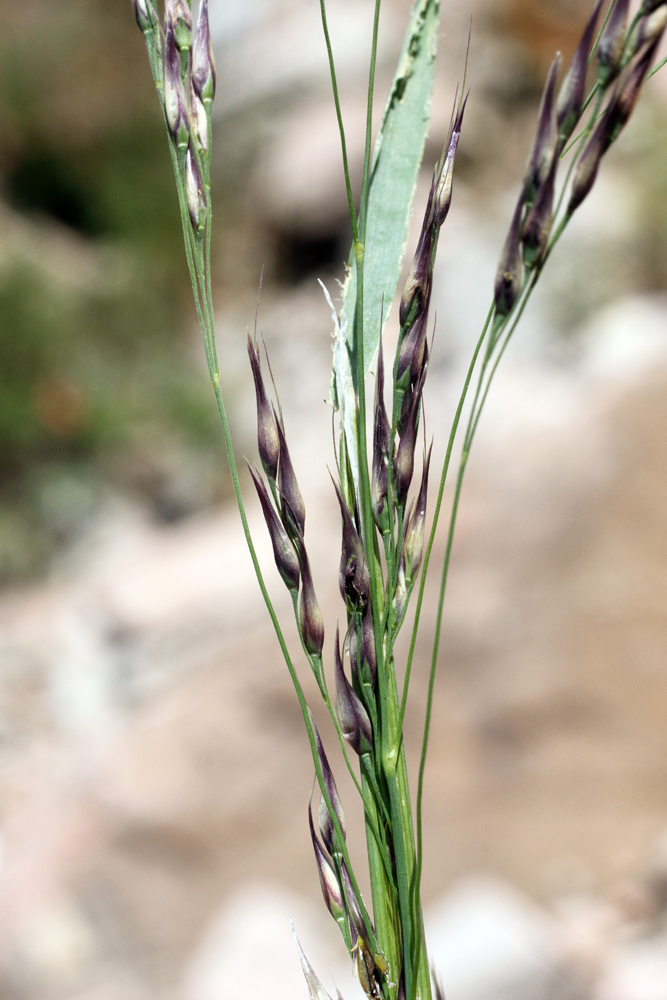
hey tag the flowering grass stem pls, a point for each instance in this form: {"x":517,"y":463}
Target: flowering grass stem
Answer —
{"x":382,"y":514}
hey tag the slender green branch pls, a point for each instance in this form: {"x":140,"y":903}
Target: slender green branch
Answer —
{"x":339,"y":118}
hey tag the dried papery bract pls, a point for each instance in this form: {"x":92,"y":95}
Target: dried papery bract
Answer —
{"x":315,"y":989}
{"x":203,"y":63}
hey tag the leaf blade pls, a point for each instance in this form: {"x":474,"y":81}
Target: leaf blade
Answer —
{"x":396,"y":162}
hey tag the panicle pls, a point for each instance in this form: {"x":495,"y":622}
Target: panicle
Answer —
{"x":537,"y":226}
{"x":268,"y":442}
{"x":292,"y":505}
{"x":546,"y":137}
{"x":353,"y":577}
{"x":610,"y":46}
{"x":194,"y":190}
{"x":310,"y":616}
{"x":350,"y":712}
{"x":203,"y":63}
{"x":331,"y":890}
{"x":381,"y":451}
{"x":571,"y":96}
{"x":413,"y":535}
{"x":178,"y":14}
{"x":174,"y":93}
{"x":327,"y":827}
{"x":283,"y":551}
{"x":509,"y":279}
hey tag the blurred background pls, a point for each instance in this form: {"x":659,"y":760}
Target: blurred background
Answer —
{"x":153,"y":771}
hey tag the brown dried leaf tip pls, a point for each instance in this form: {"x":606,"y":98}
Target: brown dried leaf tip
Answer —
{"x":315,"y":989}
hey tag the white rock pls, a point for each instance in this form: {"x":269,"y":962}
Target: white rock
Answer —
{"x":636,"y":972}
{"x":488,"y":942}
{"x":248,"y":951}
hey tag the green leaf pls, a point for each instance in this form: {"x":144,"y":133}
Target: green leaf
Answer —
{"x":396,"y":161}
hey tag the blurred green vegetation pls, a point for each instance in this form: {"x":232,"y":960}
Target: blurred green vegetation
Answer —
{"x":97,"y":385}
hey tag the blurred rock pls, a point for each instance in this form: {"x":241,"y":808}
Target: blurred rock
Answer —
{"x":636,"y":972}
{"x":488,"y":942}
{"x":248,"y":950}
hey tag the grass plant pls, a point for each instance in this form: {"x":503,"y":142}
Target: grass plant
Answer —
{"x":387,"y":541}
